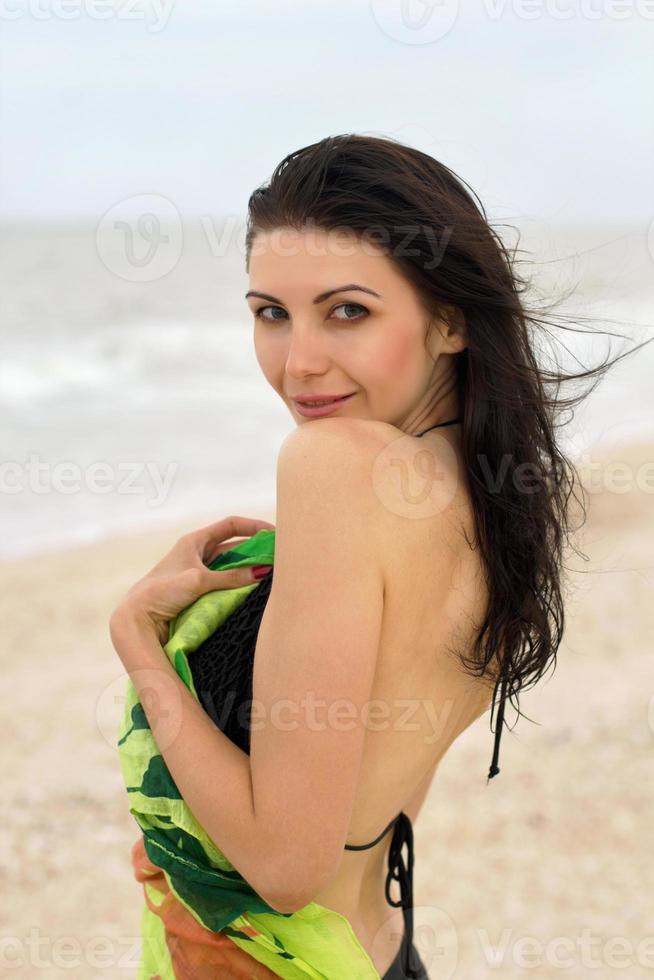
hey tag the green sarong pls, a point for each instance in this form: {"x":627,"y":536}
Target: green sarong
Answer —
{"x":202,"y":919}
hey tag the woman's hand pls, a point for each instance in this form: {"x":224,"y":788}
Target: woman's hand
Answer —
{"x":182,"y":576}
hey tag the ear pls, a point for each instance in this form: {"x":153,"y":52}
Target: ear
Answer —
{"x":451,"y":326}
{"x":455,"y":329}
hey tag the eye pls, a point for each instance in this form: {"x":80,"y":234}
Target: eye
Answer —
{"x":258,"y":313}
{"x":357,"y":306}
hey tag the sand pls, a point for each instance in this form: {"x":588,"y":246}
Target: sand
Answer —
{"x":544,"y":871}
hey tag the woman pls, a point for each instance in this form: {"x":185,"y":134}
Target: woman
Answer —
{"x":421,"y":519}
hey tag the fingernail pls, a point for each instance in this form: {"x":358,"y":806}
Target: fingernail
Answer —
{"x":258,"y":571}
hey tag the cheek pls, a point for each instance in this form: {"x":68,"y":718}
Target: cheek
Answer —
{"x":269,"y":358}
{"x":394,"y":359}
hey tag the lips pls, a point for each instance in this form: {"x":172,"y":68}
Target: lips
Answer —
{"x":322,"y":399}
{"x":314,"y":411}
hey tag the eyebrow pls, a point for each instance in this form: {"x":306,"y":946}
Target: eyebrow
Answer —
{"x":319,"y":299}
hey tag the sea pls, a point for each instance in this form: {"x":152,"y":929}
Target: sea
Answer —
{"x":131,"y":397}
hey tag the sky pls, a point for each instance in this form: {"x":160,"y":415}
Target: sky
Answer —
{"x":545,"y":108}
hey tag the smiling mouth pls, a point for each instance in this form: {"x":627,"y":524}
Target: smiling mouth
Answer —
{"x":317,"y":402}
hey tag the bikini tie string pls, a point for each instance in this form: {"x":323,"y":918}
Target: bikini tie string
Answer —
{"x":499,"y":726}
{"x":403,"y":874}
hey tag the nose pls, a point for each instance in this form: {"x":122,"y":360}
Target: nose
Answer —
{"x":307,"y":351}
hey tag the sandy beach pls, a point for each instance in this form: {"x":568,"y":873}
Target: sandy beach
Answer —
{"x":544,"y":871}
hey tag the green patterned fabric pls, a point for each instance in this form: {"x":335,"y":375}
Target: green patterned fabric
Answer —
{"x":315,"y":941}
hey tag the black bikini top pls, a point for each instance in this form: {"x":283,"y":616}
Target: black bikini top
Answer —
{"x":222,"y":669}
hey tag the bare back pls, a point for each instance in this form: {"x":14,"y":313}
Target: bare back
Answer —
{"x":434,"y":600}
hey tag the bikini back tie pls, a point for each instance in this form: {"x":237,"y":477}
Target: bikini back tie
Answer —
{"x":403,"y":874}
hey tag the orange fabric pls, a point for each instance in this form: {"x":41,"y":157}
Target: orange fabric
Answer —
{"x":196,"y":952}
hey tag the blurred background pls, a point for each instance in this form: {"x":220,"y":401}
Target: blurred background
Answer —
{"x":133,"y":409}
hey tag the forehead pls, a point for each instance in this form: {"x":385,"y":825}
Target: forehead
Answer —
{"x":319,"y":257}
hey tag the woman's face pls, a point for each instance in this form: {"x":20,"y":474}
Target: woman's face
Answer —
{"x":313,"y":337}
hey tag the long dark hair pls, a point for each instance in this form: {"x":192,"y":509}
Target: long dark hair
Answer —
{"x":408,"y":201}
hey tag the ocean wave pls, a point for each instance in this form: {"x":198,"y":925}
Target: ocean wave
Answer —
{"x":145,"y":356}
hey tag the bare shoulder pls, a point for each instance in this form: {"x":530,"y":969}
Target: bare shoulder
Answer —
{"x":379,"y":450}
{"x":326,"y":470}
{"x":329,"y":434}
{"x":339,"y":453}
{"x":402,"y":479}
{"x":405,"y":490}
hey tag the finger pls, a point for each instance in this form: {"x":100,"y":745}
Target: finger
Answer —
{"x":231,"y":578}
{"x":217,"y":550}
{"x":212,"y":535}
{"x":220,"y":549}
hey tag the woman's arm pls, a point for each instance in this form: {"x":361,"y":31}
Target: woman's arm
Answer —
{"x":316,"y":652}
